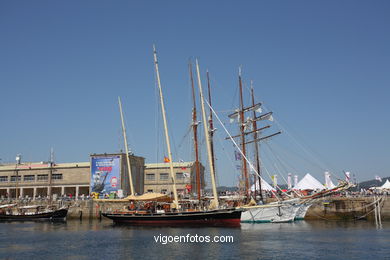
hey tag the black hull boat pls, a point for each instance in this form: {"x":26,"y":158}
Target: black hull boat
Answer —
{"x":219,"y":217}
{"x":58,"y":214}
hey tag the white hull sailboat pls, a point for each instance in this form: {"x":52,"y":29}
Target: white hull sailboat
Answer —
{"x":270,"y":213}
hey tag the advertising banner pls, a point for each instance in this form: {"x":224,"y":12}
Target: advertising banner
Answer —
{"x":105,"y":174}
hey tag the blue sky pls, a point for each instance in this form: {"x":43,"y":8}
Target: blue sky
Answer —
{"x":321,"y":66}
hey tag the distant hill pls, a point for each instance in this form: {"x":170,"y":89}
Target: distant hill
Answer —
{"x":372,"y":183}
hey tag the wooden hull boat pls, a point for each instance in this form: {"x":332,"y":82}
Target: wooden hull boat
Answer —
{"x":220,"y":217}
{"x":58,"y":214}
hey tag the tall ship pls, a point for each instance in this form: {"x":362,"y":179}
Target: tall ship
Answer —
{"x":174,"y":213}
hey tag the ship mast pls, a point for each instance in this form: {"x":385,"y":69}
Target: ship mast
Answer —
{"x":211,"y":130}
{"x":195,"y":131}
{"x":257,"y":154}
{"x":126,"y":148}
{"x":243,"y":146}
{"x":51,"y":176}
{"x":206,"y":133}
{"x":176,"y":202}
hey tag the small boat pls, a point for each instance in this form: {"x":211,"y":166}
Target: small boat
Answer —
{"x":12,"y":212}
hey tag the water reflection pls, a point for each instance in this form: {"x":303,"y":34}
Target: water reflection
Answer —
{"x":94,"y":239}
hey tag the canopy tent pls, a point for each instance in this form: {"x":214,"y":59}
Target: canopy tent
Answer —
{"x":149,"y":197}
{"x":328,"y":182}
{"x":264,"y":186}
{"x":386,"y":185}
{"x":309,"y":183}
{"x":144,"y":197}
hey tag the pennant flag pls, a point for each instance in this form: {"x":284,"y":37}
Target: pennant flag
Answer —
{"x":347,"y":176}
{"x":166,"y":159}
{"x":237,"y":156}
{"x":289,"y":184}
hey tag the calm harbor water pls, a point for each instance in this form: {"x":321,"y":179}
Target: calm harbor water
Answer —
{"x":103,"y":240}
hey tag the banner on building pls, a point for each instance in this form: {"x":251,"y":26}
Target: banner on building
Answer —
{"x":105,"y":174}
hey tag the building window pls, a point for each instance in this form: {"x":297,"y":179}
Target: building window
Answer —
{"x":163,"y":176}
{"x":150,"y":190}
{"x":150,"y":176}
{"x":29,"y":178}
{"x":57,"y":176}
{"x":42,"y":177}
{"x":13,"y":178}
{"x":3,"y":178}
{"x":164,"y":191}
{"x":179,"y":176}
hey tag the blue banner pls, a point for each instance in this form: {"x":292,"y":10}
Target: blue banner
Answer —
{"x":105,"y":174}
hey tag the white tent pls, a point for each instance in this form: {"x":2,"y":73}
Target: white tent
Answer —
{"x":264,"y":186}
{"x":309,"y":183}
{"x":386,"y":185}
{"x":328,"y":182}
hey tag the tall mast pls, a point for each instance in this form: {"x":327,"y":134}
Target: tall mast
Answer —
{"x":242,"y":130}
{"x":257,"y":154}
{"x":211,"y":130}
{"x":126,"y":148}
{"x":173,"y":177}
{"x":195,"y":131}
{"x":206,"y":133}
{"x":51,"y":175}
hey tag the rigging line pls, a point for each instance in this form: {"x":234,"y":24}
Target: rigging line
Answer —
{"x":184,"y":137}
{"x":230,"y":158}
{"x":297,"y":156}
{"x":295,"y":192}
{"x":278,"y":159}
{"x":238,"y":148}
{"x":288,"y":164}
{"x":306,"y":150}
{"x":302,"y":147}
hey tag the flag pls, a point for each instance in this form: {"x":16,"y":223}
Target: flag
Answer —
{"x":166,"y":159}
{"x":274,"y":180}
{"x":347,"y":176}
{"x":237,"y":155}
{"x":289,"y":184}
{"x":378,"y":178}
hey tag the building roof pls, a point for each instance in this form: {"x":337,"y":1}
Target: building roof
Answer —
{"x":41,"y":165}
{"x":166,"y":165}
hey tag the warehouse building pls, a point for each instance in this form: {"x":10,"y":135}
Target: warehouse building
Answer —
{"x":157,"y":177}
{"x":104,"y":173}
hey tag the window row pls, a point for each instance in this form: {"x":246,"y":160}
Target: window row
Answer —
{"x":164,"y":191}
{"x":27,"y":178}
{"x":165,"y":176}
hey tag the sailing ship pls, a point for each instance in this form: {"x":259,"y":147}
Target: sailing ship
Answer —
{"x":11,"y":212}
{"x":174,"y":214}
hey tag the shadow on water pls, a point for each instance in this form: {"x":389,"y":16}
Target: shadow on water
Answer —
{"x":97,"y":240}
